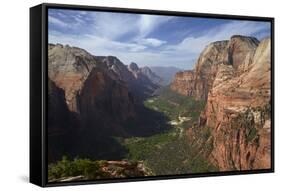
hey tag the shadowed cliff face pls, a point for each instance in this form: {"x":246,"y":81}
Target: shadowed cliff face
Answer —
{"x":236,"y":80}
{"x":105,"y":102}
{"x":57,"y":108}
{"x":61,"y":122}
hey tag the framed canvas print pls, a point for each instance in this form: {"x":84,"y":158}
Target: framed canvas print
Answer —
{"x":127,"y":94}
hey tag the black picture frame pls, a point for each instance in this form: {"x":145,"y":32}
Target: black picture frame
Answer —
{"x":38,"y":91}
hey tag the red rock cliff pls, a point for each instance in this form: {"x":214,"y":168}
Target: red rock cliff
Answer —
{"x":236,"y":52}
{"x":234,"y":78}
{"x":238,"y":113}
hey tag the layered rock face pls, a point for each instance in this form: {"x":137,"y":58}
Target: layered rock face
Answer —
{"x":234,"y":78}
{"x":236,"y":52}
{"x":184,"y":83}
{"x":239,"y":114}
{"x":203,"y":73}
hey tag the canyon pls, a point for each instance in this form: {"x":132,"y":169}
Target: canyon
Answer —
{"x":128,"y":119}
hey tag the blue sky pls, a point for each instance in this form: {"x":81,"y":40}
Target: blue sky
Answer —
{"x":148,"y":40}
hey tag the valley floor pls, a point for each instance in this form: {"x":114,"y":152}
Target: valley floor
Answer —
{"x":170,"y":152}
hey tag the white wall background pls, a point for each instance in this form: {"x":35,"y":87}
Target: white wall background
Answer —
{"x":14,"y":96}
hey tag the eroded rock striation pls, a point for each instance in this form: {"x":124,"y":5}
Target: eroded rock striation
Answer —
{"x":239,"y":114}
{"x":203,"y":74}
{"x":234,"y":78}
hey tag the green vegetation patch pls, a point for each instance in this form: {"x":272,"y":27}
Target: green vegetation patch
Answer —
{"x":174,"y":105}
{"x":168,"y":154}
{"x":140,"y":148}
{"x":252,"y":134}
{"x":70,"y":168}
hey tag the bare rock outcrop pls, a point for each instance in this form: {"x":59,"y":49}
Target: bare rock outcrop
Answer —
{"x":68,"y":68}
{"x":184,"y":83}
{"x":236,"y":52}
{"x":111,"y":169}
{"x":203,"y":73}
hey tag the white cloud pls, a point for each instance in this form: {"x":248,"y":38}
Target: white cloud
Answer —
{"x":151,"y":42}
{"x":75,"y":23}
{"x":194,"y":45}
{"x":126,"y":52}
{"x":112,"y":25}
{"x":95,"y":44}
{"x":79,"y":20}
{"x":103,"y":35}
{"x":147,"y":23}
{"x":57,"y":21}
{"x":115,"y":25}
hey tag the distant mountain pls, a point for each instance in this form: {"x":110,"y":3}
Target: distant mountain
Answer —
{"x":138,"y":83}
{"x":165,"y":73}
{"x":144,"y":73}
{"x":151,"y":75}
